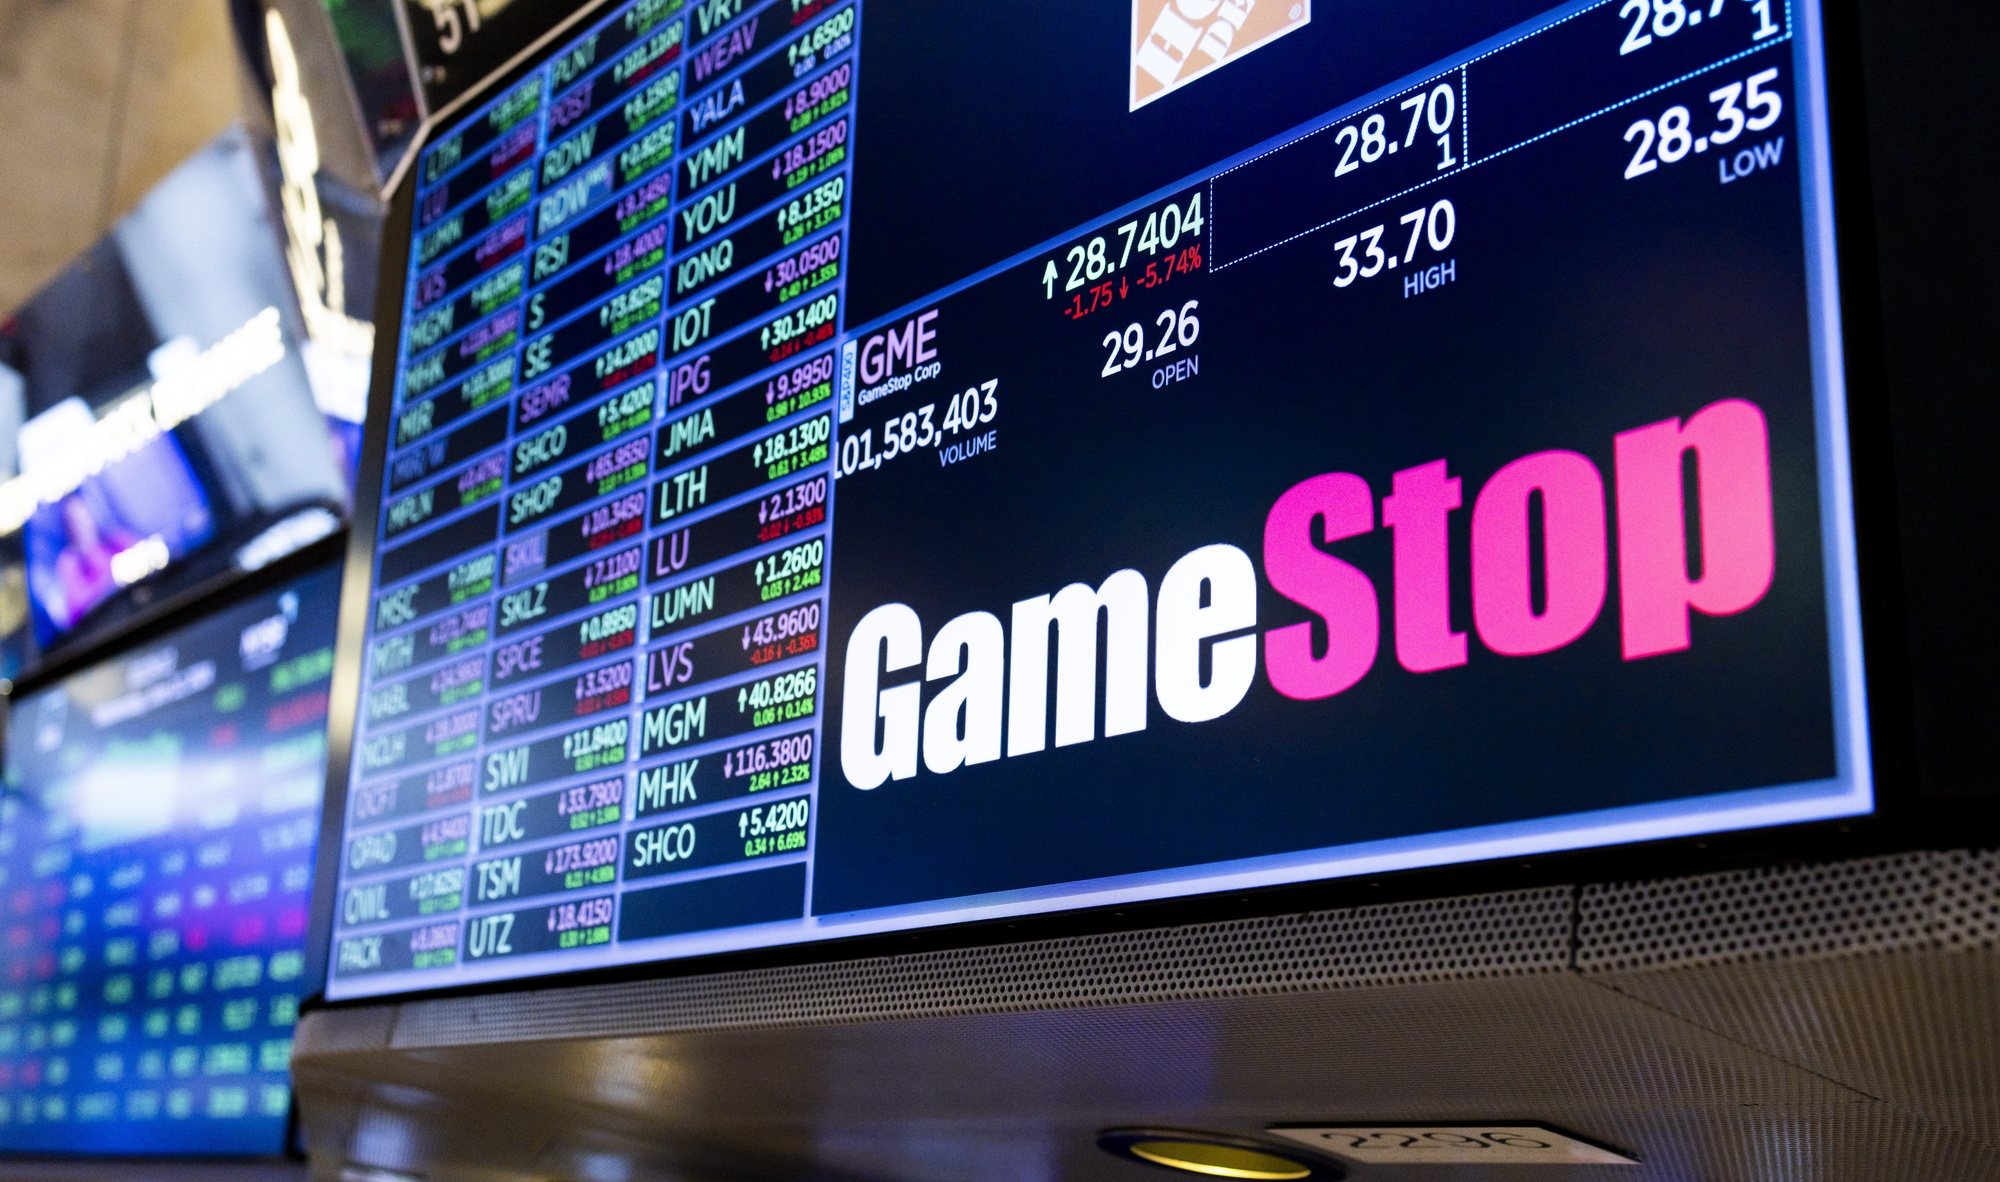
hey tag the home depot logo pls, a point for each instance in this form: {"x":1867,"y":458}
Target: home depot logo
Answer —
{"x":1175,"y":42}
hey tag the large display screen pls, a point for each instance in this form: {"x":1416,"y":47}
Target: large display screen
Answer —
{"x":156,"y":855}
{"x":862,"y":467}
{"x":180,"y":408}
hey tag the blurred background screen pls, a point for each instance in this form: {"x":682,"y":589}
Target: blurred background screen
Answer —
{"x":178,"y":419}
{"x":157,"y":832}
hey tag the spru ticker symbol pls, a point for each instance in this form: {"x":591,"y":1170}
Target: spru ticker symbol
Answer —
{"x":1175,"y":42}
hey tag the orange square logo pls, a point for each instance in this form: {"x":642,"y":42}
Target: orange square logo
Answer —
{"x":1175,"y":42}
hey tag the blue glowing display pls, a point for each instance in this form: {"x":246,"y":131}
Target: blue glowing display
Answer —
{"x":156,"y":853}
{"x":840,"y":480}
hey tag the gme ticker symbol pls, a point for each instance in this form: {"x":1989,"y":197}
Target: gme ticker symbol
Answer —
{"x":1175,"y":42}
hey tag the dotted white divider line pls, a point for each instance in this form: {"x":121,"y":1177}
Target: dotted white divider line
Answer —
{"x":1468,"y":163}
{"x":1538,"y":32}
{"x":1329,"y":127}
{"x":1343,"y":217}
{"x":1465,"y":112}
{"x":1644,"y":94}
{"x":1211,"y":224}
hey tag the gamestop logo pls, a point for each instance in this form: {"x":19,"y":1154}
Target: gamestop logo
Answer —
{"x":1197,"y":633}
{"x":1175,"y":42}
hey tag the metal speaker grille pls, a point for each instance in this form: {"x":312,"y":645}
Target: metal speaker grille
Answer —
{"x":364,"y":1028}
{"x":1511,"y":934}
{"x":1968,"y":898}
{"x":1907,"y":902}
{"x":1880,"y":974}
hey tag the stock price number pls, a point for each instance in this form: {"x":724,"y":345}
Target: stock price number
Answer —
{"x":785,"y":634}
{"x":1434,"y":227}
{"x":806,"y":384}
{"x":778,"y":763}
{"x":1157,"y":233}
{"x":790,"y":571}
{"x":632,"y":409}
{"x":580,"y":925}
{"x":1179,"y":329}
{"x":829,"y":38}
{"x":783,"y":698}
{"x":796,"y":508}
{"x":818,"y":152}
{"x":816,"y":98}
{"x":774,"y":828}
{"x":1368,"y":140}
{"x":585,"y":864}
{"x":799,"y":329}
{"x":792,"y":277}
{"x":799,"y":447}
{"x":1740,"y":106}
{"x":602,"y":689}
{"x":1657,"y":20}
{"x":592,"y":805}
{"x":600,"y":746}
{"x":964,"y":414}
{"x":813,"y":210}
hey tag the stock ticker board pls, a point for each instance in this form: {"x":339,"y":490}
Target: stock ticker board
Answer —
{"x":857,"y":467}
{"x":157,"y":838}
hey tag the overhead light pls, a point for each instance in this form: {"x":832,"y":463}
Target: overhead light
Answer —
{"x":1213,"y":1155}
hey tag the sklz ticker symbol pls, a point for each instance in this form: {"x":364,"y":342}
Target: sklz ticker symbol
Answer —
{"x":1175,"y":42}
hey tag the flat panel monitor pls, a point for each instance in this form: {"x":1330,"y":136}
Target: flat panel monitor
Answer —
{"x":157,"y":836}
{"x":847,"y":468}
{"x":182,"y":419}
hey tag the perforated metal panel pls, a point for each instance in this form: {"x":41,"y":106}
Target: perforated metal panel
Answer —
{"x":1879,"y":973}
{"x":1870,"y":906}
{"x":1479,"y":938}
{"x":1815,"y":1023}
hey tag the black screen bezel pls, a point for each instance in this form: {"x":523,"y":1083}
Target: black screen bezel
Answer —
{"x":1902,"y":818}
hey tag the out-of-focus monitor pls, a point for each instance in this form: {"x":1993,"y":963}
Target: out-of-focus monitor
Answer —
{"x":841,"y":469}
{"x":157,"y":834}
{"x":185,"y":413}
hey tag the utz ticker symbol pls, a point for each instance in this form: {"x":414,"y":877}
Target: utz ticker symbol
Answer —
{"x":1175,"y":42}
